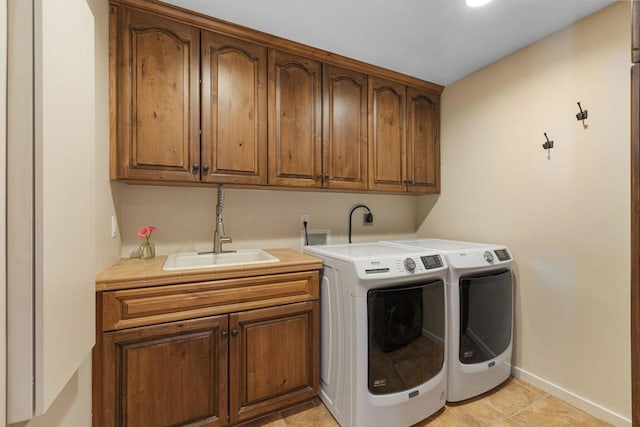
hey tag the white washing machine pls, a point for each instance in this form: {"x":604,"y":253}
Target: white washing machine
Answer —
{"x":480,"y":298}
{"x":383,"y":329}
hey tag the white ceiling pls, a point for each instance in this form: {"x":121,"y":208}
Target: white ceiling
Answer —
{"x":436,"y":40}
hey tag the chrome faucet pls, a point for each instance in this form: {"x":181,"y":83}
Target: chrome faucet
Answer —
{"x":218,"y":236}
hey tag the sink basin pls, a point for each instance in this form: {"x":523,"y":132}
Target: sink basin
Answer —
{"x":196,"y":260}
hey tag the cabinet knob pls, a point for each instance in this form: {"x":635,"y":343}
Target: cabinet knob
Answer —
{"x":319,"y":176}
{"x":409,"y":181}
{"x":326,"y":176}
{"x":234,"y":333}
{"x":224,"y":333}
{"x":205,"y":168}
{"x":195,"y":167}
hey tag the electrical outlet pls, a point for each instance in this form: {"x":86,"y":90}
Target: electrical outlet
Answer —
{"x":367,"y":219}
{"x":304,"y":218}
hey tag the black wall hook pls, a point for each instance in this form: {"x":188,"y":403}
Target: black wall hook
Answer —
{"x":582,"y":115}
{"x":547,"y":145}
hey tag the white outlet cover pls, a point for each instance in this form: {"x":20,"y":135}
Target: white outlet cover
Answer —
{"x":114,"y":226}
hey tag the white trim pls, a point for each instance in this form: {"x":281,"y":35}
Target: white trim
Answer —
{"x":3,"y":208}
{"x":579,"y":402}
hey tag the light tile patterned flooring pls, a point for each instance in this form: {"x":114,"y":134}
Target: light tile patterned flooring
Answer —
{"x":514,"y":403}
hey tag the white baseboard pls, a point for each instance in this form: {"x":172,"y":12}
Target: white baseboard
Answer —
{"x":578,"y":401}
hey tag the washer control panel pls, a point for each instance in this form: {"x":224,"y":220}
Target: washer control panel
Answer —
{"x":502,"y":254}
{"x":401,"y":266}
{"x":479,"y":257}
{"x":431,"y":261}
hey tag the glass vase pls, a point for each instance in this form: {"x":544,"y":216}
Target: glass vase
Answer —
{"x":147,"y":249}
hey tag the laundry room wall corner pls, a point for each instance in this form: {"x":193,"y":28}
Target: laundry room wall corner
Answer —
{"x":564,"y":214}
{"x":424,"y":206}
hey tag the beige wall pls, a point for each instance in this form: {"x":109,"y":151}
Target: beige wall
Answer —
{"x":106,"y":196}
{"x":255,"y":218}
{"x":3,"y":209}
{"x":565,"y":218}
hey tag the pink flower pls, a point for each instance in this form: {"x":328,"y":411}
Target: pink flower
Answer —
{"x":145,"y":230}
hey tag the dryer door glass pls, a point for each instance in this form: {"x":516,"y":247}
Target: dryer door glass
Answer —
{"x":406,"y":336}
{"x":486,"y":313}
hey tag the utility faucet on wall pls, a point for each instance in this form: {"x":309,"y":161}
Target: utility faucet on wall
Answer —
{"x":368,"y":217}
{"x":218,"y":236}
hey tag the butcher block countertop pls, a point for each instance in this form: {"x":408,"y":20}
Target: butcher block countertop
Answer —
{"x":131,"y":273}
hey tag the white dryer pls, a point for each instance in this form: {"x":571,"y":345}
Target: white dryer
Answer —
{"x":382,"y":333}
{"x":480,"y":298}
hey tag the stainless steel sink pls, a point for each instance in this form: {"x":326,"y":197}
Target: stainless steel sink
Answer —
{"x":196,"y":260}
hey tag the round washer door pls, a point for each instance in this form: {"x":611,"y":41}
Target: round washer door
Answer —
{"x":406,"y":327}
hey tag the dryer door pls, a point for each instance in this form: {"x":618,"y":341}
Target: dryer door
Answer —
{"x":406,"y":336}
{"x":486,"y":315}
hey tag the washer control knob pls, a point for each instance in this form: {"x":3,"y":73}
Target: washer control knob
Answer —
{"x":488,"y":256}
{"x":410,"y":264}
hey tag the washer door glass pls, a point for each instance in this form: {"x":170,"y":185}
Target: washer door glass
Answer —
{"x":486,"y":315}
{"x":406,"y":336}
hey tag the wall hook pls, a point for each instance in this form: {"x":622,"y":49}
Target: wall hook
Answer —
{"x":582,"y":115}
{"x":547,"y":145}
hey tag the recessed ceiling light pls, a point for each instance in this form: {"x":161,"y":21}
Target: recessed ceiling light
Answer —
{"x":476,"y":3}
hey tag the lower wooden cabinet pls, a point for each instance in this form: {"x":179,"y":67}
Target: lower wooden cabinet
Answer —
{"x":208,"y":371}
{"x":273,"y":359}
{"x":166,"y":375}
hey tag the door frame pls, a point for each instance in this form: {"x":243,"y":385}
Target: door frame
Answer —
{"x":635,"y":213}
{"x":635,"y":247}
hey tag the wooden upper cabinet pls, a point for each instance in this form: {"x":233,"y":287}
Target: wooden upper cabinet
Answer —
{"x":295,"y":151}
{"x":216,"y":103}
{"x":387,"y":141}
{"x":344,"y":139}
{"x":157,"y":98}
{"x":234,"y":110}
{"x":423,"y":145}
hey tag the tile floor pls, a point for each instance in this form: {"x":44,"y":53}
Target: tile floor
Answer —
{"x":514,"y":403}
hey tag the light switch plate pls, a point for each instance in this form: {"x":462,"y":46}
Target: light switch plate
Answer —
{"x":114,"y":226}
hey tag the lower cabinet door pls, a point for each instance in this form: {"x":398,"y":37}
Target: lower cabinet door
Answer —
{"x":173,"y":374}
{"x":273,"y":358}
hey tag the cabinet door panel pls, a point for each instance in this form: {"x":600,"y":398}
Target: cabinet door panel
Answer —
{"x":234,"y":113}
{"x":171,"y":374}
{"x":294,"y":120}
{"x":158,"y":100}
{"x":274,"y":359}
{"x":345,"y":128}
{"x":387,"y":156}
{"x":423,"y":145}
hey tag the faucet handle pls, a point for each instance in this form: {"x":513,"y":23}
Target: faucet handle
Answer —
{"x":225,"y":239}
